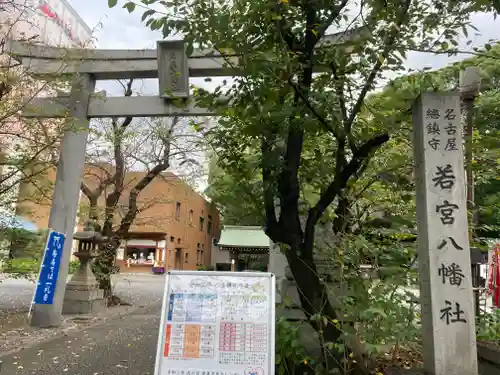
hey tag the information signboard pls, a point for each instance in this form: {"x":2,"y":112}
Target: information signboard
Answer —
{"x":217,"y":323}
{"x":49,"y":271}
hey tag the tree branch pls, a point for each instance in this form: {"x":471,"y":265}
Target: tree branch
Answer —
{"x":328,"y":22}
{"x":339,"y":183}
{"x":119,"y":175}
{"x":162,"y":166}
{"x":388,"y":46}
{"x":288,"y":185}
{"x":133,"y":209}
{"x":313,"y":110}
{"x":86,"y":191}
{"x":271,"y":223}
{"x":339,"y":90}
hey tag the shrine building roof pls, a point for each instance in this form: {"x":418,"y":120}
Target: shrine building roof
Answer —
{"x":235,"y":236}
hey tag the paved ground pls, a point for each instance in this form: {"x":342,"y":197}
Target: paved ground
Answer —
{"x":117,"y":346}
{"x":16,"y":295}
{"x":124,"y":346}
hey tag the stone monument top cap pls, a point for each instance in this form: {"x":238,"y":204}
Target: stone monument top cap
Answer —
{"x":89,"y":236}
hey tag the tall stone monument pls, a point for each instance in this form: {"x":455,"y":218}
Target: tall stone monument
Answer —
{"x":443,"y":238}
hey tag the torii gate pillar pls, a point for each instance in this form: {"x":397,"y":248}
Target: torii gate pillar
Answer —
{"x":173,"y":76}
{"x":66,"y":194}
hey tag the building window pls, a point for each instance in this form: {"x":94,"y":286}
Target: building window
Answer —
{"x":209,"y":225}
{"x":186,"y":257}
{"x":191,"y":213}
{"x":202,"y":221}
{"x":198,"y":245}
{"x":172,"y":239}
{"x":177,"y":211}
{"x":178,"y":240}
{"x":199,"y":257}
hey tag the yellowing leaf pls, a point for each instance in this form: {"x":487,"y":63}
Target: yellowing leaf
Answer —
{"x":287,"y":301}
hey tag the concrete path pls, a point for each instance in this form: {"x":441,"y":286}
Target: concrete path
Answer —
{"x":124,"y":346}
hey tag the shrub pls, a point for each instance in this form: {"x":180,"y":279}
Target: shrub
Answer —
{"x":488,"y":326}
{"x":73,"y":266}
{"x":202,"y":267}
{"x":22,"y":268}
{"x":29,"y":267}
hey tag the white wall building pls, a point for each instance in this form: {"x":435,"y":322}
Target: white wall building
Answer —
{"x":49,"y":22}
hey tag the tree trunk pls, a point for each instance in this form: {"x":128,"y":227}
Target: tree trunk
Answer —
{"x":105,"y":285}
{"x":104,"y":266}
{"x":316,"y":305}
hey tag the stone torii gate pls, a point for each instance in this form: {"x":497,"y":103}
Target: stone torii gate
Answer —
{"x":169,"y":63}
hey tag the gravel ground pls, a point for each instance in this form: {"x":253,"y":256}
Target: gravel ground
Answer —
{"x":16,"y":295}
{"x":122,"y":346}
{"x":16,"y":334}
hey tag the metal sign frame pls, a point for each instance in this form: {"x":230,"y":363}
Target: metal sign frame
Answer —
{"x":272,"y":314}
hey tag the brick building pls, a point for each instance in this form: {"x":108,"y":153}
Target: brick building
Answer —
{"x":175,"y":227}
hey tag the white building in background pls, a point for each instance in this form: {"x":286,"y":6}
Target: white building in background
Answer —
{"x":51,"y":22}
{"x":48,"y":22}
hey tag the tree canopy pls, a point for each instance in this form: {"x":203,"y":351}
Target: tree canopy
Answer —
{"x":387,"y":184}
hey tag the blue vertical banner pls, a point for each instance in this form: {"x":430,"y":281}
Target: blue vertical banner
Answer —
{"x":171,"y":307}
{"x":49,"y":271}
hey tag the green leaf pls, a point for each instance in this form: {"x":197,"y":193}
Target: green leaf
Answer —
{"x":189,"y":49}
{"x":147,"y":14}
{"x":287,"y":301}
{"x":156,"y":25}
{"x":130,"y":6}
{"x":277,"y":359}
{"x":376,"y":311}
{"x":112,"y":3}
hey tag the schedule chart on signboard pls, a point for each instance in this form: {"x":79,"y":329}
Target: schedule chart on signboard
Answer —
{"x":223,"y":324}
